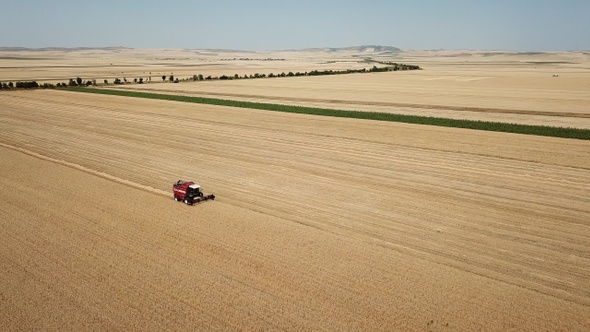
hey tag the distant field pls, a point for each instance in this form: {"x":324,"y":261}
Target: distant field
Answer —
{"x":488,"y":86}
{"x":320,"y":223}
{"x":532,"y":98}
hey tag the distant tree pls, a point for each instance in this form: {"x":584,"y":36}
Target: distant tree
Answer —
{"x":79,"y":80}
{"x":106,"y":82}
{"x":236,"y":76}
{"x":195,"y":77}
{"x":88,"y":83}
{"x":26,"y":85}
{"x":141,"y":80}
{"x":135,"y":80}
{"x":10,"y":85}
{"x":200,"y":77}
{"x":171,"y":78}
{"x":290,"y":74}
{"x":163,"y":77}
{"x":94,"y":82}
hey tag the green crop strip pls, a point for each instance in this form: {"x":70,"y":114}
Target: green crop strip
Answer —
{"x":424,"y":120}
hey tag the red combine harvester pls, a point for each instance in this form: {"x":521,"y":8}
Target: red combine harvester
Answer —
{"x":189,"y":192}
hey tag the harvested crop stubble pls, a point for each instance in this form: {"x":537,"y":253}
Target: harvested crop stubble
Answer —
{"x":321,"y":223}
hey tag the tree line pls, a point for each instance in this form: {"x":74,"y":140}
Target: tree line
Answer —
{"x":77,"y":82}
{"x":390,"y":67}
{"x":33,"y":84}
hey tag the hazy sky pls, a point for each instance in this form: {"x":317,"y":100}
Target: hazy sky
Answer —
{"x":519,"y":25}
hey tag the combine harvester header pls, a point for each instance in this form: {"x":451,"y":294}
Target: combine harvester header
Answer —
{"x":189,"y":193}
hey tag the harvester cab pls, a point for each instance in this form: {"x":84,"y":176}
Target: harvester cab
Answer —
{"x":189,"y":192}
{"x":194,"y":190}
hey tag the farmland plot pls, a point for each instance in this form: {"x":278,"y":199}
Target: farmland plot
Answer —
{"x":525,"y":98}
{"x":320,"y":223}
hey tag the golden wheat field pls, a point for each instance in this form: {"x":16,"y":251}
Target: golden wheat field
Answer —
{"x":319,"y":223}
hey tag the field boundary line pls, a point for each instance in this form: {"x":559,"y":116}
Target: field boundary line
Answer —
{"x":87,"y":170}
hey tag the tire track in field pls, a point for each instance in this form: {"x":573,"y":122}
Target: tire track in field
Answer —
{"x":87,"y":170}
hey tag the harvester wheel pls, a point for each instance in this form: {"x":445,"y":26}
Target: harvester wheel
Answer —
{"x":187,"y":202}
{"x":176,"y":198}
